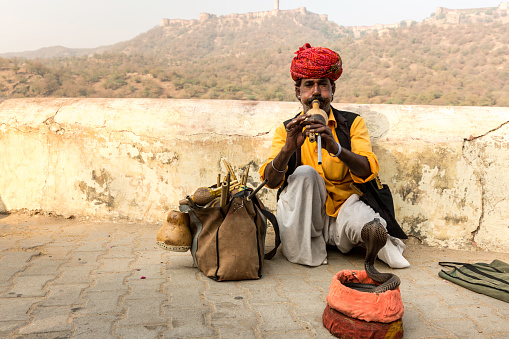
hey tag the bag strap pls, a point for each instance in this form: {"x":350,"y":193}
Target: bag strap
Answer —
{"x":451,"y":264}
{"x":199,"y":228}
{"x":272,"y":218}
{"x":273,"y":221}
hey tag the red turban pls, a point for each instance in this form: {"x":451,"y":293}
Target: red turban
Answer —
{"x":316,"y":63}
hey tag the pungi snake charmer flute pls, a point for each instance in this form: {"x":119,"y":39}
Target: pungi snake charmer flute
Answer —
{"x":317,"y":114}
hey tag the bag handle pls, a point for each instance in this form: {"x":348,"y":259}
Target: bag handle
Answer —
{"x":273,"y":221}
{"x":272,"y":218}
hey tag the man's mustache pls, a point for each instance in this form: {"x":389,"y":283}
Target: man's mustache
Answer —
{"x":318,"y":97}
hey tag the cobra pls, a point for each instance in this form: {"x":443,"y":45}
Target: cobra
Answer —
{"x":374,"y":236}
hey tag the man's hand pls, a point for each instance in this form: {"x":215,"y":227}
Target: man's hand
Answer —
{"x":359,"y":165}
{"x":318,"y":126}
{"x":295,"y":136}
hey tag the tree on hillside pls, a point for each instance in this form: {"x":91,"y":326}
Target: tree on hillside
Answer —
{"x":248,"y":59}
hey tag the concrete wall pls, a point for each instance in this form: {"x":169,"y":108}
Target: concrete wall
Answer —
{"x":134,"y":159}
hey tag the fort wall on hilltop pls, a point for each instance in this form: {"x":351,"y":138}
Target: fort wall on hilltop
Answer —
{"x":450,"y":16}
{"x":457,"y":16}
{"x":251,"y":15}
{"x":502,"y":7}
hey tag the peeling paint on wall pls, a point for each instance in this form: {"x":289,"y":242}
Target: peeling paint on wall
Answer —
{"x":95,"y":197}
{"x":136,"y":158}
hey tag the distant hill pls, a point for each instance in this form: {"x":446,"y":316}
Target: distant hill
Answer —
{"x":50,"y":52}
{"x":455,"y":57}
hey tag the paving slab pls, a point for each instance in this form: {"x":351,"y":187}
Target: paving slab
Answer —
{"x":147,"y":288}
{"x":143,"y":312}
{"x":227,"y":308}
{"x":189,"y":323}
{"x":94,"y":326}
{"x":141,"y":331}
{"x":74,"y":275}
{"x":43,"y":265}
{"x":48,"y":319}
{"x":233,"y":328}
{"x":110,"y":281}
{"x":106,"y":302}
{"x":17,"y":309}
{"x":64,"y":295}
{"x":29,"y":286}
{"x":88,"y":279}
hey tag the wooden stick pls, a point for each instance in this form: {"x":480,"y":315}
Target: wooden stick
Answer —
{"x":225,"y":163}
{"x":257,"y":189}
{"x":246,"y":173}
{"x":234,"y":177}
{"x":356,"y":189}
{"x":224,"y":194}
{"x":229,"y":169}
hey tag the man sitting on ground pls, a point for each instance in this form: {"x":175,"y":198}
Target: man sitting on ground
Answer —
{"x":316,"y":205}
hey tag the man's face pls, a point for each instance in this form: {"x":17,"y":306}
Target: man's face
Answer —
{"x":312,"y":89}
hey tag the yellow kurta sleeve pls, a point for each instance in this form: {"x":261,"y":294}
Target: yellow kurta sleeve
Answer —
{"x":361,"y":145}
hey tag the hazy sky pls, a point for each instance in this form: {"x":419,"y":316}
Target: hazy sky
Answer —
{"x":32,"y":24}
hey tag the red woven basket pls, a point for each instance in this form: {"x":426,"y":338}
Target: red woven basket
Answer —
{"x":353,"y":314}
{"x":342,"y":326}
{"x":384,"y":307}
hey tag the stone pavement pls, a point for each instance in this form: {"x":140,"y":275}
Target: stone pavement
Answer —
{"x":68,"y":278}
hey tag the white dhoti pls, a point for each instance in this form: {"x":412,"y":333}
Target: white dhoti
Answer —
{"x":306,"y":229}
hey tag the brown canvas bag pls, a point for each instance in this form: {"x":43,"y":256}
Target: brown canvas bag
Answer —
{"x":229,"y":241}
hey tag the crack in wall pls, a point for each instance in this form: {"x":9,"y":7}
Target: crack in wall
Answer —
{"x":481,"y":217}
{"x":381,"y":134}
{"x":471,"y":138}
{"x":131,"y":132}
{"x":51,"y":119}
{"x":50,"y":122}
{"x":481,"y":180}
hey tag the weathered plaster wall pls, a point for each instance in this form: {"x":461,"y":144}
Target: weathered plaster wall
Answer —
{"x":134,"y":159}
